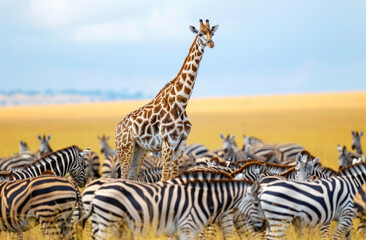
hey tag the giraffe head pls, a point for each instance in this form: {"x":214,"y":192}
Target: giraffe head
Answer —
{"x":204,"y":34}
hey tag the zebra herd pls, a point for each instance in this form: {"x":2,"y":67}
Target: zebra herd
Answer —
{"x":251,"y":188}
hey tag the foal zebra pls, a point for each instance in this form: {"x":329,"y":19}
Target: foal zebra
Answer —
{"x":166,"y":207}
{"x":47,"y":200}
{"x":67,"y":160}
{"x":315,"y":202}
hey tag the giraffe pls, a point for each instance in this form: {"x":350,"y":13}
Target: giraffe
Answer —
{"x":162,"y":124}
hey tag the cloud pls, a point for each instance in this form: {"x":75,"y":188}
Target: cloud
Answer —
{"x":112,"y":20}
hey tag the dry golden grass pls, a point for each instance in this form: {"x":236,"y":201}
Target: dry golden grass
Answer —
{"x":317,"y":121}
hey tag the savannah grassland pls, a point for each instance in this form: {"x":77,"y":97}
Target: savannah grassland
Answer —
{"x":316,"y":121}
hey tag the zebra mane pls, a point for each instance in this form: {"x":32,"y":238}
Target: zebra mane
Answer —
{"x":47,"y":155}
{"x":241,"y":169}
{"x":306,"y":152}
{"x":194,"y":182}
{"x":326,"y":169}
{"x":287,"y":172}
{"x":6,"y":175}
{"x":222,"y":163}
{"x":351,"y":169}
{"x":203,"y":173}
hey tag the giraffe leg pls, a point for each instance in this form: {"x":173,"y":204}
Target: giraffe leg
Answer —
{"x":166,"y":155}
{"x":176,"y":156}
{"x":137,"y":159}
{"x":125,"y":156}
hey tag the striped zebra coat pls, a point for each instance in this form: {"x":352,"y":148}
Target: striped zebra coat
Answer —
{"x":92,"y":165}
{"x":67,"y":160}
{"x":166,"y":207}
{"x":285,"y":152}
{"x":47,"y":200}
{"x":313,"y":202}
{"x":17,"y":161}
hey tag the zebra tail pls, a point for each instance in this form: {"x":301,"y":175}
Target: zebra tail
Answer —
{"x":82,"y":220}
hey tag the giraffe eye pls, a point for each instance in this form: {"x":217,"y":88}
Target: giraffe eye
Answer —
{"x":200,"y":34}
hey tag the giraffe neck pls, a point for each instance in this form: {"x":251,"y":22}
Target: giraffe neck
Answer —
{"x":182,"y":86}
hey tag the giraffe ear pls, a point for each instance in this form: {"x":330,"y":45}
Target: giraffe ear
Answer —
{"x":214,"y":28}
{"x":193,"y":29}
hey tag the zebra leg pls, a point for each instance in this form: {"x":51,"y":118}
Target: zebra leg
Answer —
{"x":362,"y":225}
{"x":226,"y":224}
{"x":276,"y":228}
{"x":186,"y":234}
{"x":324,"y":231}
{"x":298,"y":227}
{"x":343,"y":227}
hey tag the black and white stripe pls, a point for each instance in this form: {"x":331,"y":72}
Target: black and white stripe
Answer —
{"x":92,"y":165}
{"x":231,"y":151}
{"x":67,"y":160}
{"x":283,"y":152}
{"x":199,"y":150}
{"x":314,"y":203}
{"x":47,"y":200}
{"x":17,"y":161}
{"x":180,"y":204}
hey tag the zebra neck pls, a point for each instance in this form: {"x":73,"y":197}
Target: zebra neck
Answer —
{"x":356,"y":175}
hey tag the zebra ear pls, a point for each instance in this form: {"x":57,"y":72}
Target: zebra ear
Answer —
{"x":222,"y":136}
{"x":85,"y":152}
{"x":298,"y":158}
{"x":48,"y":137}
{"x":232,"y":137}
{"x":262,"y":169}
{"x":39,"y":137}
{"x":353,"y":133}
{"x":315,"y":161}
{"x":106,"y":138}
{"x":339,"y":148}
{"x":98,"y":137}
{"x":361,"y":133}
{"x":254,"y":188}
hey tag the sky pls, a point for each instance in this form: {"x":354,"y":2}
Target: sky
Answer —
{"x":261,"y":47}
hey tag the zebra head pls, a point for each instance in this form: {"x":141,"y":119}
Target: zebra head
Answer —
{"x":249,"y":206}
{"x":356,"y":141}
{"x":23,"y":146}
{"x":103,"y":143}
{"x":304,"y":165}
{"x":77,"y":170}
{"x":44,"y":146}
{"x":344,"y":158}
{"x":228,"y":142}
{"x":205,"y":34}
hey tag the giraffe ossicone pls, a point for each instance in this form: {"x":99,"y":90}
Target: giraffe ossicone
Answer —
{"x":162,"y":124}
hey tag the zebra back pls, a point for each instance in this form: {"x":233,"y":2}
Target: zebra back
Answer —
{"x":199,"y":150}
{"x":24,"y":201}
{"x":17,"y":161}
{"x":67,"y":160}
{"x":110,"y":167}
{"x":92,"y":165}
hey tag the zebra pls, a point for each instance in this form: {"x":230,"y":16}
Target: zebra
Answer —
{"x":92,"y":165}
{"x":17,"y":161}
{"x":230,"y":148}
{"x":44,"y":146}
{"x":356,"y":141}
{"x":111,"y":167}
{"x":67,"y":160}
{"x":248,"y":142}
{"x":105,"y":149}
{"x":166,"y":207}
{"x":313,"y":202}
{"x":360,"y":205}
{"x":285,"y":152}
{"x":199,"y":150}
{"x":47,"y":200}
{"x":23,"y":147}
{"x":151,"y":160}
{"x":346,"y":158}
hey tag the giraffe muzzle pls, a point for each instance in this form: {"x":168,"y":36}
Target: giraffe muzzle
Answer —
{"x":210,"y":44}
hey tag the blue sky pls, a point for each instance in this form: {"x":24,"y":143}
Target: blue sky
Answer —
{"x":261,"y":47}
